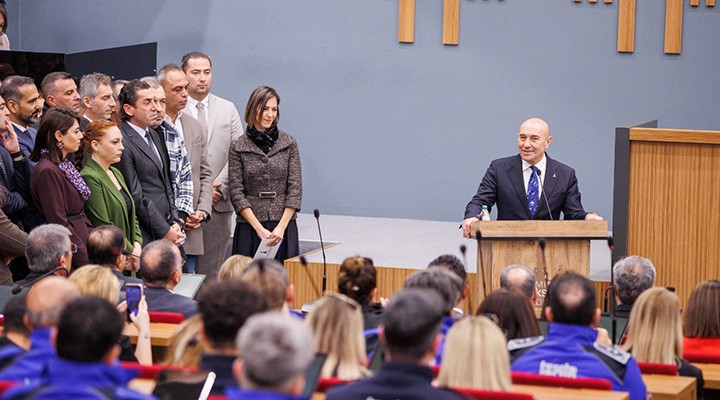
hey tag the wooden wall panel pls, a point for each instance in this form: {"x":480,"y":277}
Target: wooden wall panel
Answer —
{"x":694,"y":3}
{"x":626,"y":26}
{"x":673,"y":26}
{"x":451,"y":22}
{"x":406,"y":21}
{"x":710,"y":3}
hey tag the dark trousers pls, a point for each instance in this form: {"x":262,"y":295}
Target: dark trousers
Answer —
{"x":246,"y":241}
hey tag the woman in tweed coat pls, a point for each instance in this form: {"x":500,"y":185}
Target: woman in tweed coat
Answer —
{"x":265,"y":180}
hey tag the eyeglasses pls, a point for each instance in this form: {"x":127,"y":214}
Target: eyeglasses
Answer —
{"x":73,"y":248}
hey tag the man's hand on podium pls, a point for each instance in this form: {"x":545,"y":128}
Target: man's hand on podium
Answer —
{"x":465,"y":226}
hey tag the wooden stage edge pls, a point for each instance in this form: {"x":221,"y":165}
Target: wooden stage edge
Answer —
{"x":308,"y":283}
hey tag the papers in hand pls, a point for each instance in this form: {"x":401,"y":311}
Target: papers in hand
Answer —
{"x":267,"y":251}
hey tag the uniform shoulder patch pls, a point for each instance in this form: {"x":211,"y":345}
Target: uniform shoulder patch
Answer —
{"x":613,"y":352}
{"x":524,"y":343}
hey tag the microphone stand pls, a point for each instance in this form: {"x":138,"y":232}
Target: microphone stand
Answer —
{"x":613,"y":310}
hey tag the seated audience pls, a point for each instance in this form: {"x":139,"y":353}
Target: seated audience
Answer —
{"x":275,"y":353}
{"x":187,"y":344}
{"x":161,"y":268}
{"x":512,"y":312}
{"x":475,"y":356}
{"x":357,"y":280}
{"x":336,"y":322}
{"x":271,"y":278}
{"x":96,"y":280}
{"x":48,"y":248}
{"x":633,"y":276}
{"x":521,"y":278}
{"x":410,"y":330}
{"x":233,"y":267}
{"x":15,"y":339}
{"x":454,"y":265}
{"x":570,"y":349}
{"x":702,"y":319}
{"x":86,"y":363}
{"x":224,"y":308}
{"x":655,"y":333}
{"x":45,"y":304}
{"x":105,"y":247}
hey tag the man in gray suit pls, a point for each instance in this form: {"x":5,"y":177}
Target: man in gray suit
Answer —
{"x":144,"y":165}
{"x":161,"y":268}
{"x":223,"y":126}
{"x":174,"y":82}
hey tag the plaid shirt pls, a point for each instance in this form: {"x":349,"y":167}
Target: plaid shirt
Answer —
{"x":180,"y":174}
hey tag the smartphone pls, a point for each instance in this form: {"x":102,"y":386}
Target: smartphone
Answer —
{"x":133,"y":294}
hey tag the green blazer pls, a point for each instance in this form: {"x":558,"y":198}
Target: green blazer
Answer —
{"x":106,"y":205}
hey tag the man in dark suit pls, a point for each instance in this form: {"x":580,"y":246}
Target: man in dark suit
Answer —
{"x":160,"y":265}
{"x":25,"y":106}
{"x":144,"y":165}
{"x":97,"y":99}
{"x":516,"y":183}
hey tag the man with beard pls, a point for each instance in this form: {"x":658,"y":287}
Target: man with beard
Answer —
{"x":25,"y":106}
{"x":60,"y":90}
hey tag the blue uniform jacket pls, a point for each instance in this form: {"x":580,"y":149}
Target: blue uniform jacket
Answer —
{"x":27,"y":368}
{"x":240,"y":394}
{"x":570,"y":351}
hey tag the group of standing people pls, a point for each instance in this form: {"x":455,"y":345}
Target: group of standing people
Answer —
{"x":176,"y":166}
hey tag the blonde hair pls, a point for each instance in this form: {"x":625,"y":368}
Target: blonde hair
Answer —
{"x":654,"y":328}
{"x":97,"y":280}
{"x":233,"y":267}
{"x":186,"y":345}
{"x":337,"y":323}
{"x":475,"y":356}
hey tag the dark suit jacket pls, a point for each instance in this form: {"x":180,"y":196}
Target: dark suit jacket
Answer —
{"x":149,"y":182}
{"x":57,"y":199}
{"x":17,"y":181}
{"x":106,"y":205}
{"x":503,"y":185}
{"x":160,"y":299}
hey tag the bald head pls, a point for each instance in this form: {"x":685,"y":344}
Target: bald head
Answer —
{"x":520,"y":278}
{"x":47,"y":300}
{"x":160,"y":264}
{"x":571,"y":300}
{"x":533,"y":139}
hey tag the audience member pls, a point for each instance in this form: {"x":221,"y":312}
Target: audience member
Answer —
{"x":275,"y":353}
{"x":160,"y":265}
{"x":15,"y":339}
{"x":336,"y":323}
{"x":110,"y":201}
{"x":224,"y":308}
{"x":60,"y":91}
{"x":271,"y":278}
{"x":234,"y":267}
{"x":4,"y":41}
{"x":410,"y":330}
{"x":511,"y":311}
{"x":655,"y":333}
{"x":57,"y":188}
{"x":357,"y":279}
{"x":222,"y":121}
{"x":144,"y":164}
{"x":175,"y":82}
{"x":86,"y":363}
{"x":105,"y":247}
{"x":633,"y":275}
{"x":187,"y":344}
{"x":454,"y":265}
{"x":48,"y":249}
{"x":701,"y":328}
{"x":570,"y":349}
{"x":116,"y":86}
{"x":45,"y":304}
{"x":97,"y":99}
{"x":475,"y":356}
{"x":25,"y":106}
{"x":521,"y":278}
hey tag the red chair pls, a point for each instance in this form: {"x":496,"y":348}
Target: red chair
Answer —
{"x":152,"y":371}
{"x":166,"y":317}
{"x":492,"y":394}
{"x":5,"y":385}
{"x":436,"y":370}
{"x":326,"y":383}
{"x":217,"y":397}
{"x":658,"y":369}
{"x":702,"y":358}
{"x":526,"y":378}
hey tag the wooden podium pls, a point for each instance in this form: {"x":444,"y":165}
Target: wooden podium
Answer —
{"x":567,"y":248}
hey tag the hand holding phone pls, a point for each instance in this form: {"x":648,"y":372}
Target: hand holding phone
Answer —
{"x":133,"y":295}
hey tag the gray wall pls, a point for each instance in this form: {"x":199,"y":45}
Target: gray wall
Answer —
{"x":407,"y":130}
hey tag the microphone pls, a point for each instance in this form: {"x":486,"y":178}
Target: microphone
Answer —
{"x":541,"y":244}
{"x":542,"y":188}
{"x":478,"y":237}
{"x":18,"y":288}
{"x":304,"y":263}
{"x":316,"y":212}
{"x":463,"y":249}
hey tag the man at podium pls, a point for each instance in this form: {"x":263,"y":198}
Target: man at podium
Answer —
{"x":518,"y":184}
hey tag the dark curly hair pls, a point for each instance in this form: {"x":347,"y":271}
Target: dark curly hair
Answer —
{"x":357,"y":279}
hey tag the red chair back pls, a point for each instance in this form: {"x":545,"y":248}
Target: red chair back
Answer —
{"x":658,"y":369}
{"x":492,"y":394}
{"x":5,"y":385}
{"x":217,"y":397}
{"x":702,"y":358}
{"x":166,"y":317}
{"x":525,"y":378}
{"x":326,"y":383}
{"x":152,"y":371}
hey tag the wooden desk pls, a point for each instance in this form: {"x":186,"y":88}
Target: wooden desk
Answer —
{"x":711,"y":375}
{"x":666,"y":387}
{"x":160,"y":333}
{"x":552,"y":393}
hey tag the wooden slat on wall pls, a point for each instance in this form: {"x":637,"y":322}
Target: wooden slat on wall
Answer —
{"x":694,"y":3}
{"x":406,"y":21}
{"x":673,"y":26}
{"x":710,"y":3}
{"x":608,"y":1}
{"x":626,"y":26}
{"x":451,"y":22}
